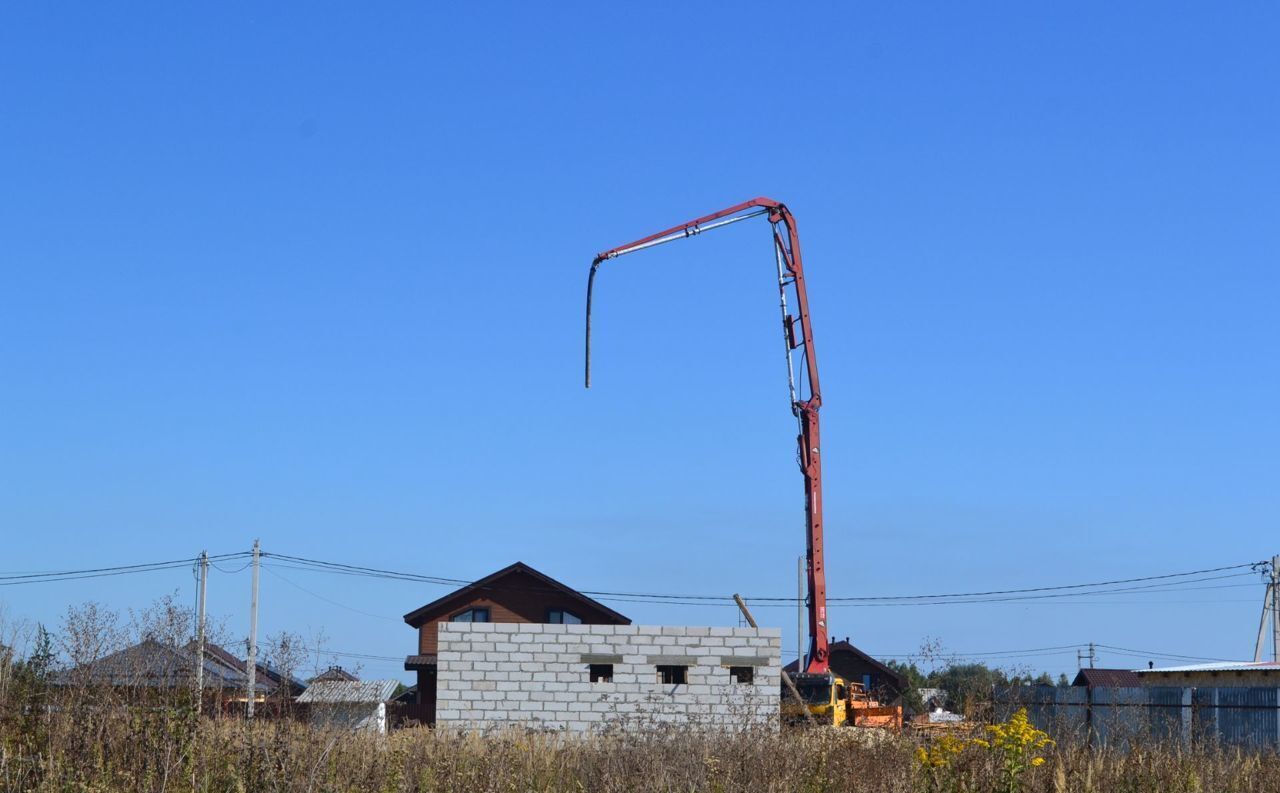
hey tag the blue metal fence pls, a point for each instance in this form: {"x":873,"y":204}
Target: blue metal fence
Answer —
{"x":1113,"y":716}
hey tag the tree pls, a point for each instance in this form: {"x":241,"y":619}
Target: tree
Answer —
{"x":966,"y":685}
{"x":40,"y":662}
{"x":916,"y":680}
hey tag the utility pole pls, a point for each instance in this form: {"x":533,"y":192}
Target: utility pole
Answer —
{"x":800,"y":612}
{"x":1268,"y":610}
{"x":1091,"y":655}
{"x":1275,"y":608}
{"x":251,"y":662}
{"x":786,"y":678}
{"x":200,"y":624}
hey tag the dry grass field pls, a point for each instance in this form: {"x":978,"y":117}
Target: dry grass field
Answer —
{"x":62,"y":732}
{"x":163,"y":750}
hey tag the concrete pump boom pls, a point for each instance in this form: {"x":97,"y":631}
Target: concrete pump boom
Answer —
{"x":797,"y":333}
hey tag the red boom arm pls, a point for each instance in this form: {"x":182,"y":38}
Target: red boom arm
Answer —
{"x":786,"y":243}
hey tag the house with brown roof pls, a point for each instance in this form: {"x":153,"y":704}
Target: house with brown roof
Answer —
{"x":334,"y":674}
{"x":855,"y":666}
{"x":514,"y":594}
{"x":268,"y":680}
{"x":151,"y":667}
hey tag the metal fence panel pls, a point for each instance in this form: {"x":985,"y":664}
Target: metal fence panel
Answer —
{"x":1246,"y":716}
{"x":1169,"y":713}
{"x":1061,"y":712}
{"x":1113,"y":716}
{"x":1119,"y":715}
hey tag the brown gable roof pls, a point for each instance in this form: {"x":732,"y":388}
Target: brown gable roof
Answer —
{"x":1121,"y":678}
{"x":335,"y":674}
{"x":844,"y":646}
{"x":422,"y":615}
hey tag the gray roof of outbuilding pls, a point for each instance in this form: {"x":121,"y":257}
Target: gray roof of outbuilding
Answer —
{"x":1218,"y":666}
{"x":349,"y":691}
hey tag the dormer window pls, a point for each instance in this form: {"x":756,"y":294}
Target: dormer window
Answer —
{"x":562,"y":617}
{"x":471,"y":615}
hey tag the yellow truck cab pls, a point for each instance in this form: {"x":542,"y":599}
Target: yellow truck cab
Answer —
{"x":825,"y":696}
{"x":835,"y":702}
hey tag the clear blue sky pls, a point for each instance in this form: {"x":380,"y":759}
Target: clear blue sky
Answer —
{"x":314,"y":273}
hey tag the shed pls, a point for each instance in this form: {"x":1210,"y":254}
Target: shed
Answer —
{"x":350,"y":704}
{"x":1220,"y":674}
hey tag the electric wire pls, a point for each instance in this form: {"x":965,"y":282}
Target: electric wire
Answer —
{"x":105,"y":572}
{"x":330,"y":601}
{"x":1146,"y":585}
{"x":726,"y":601}
{"x":1166,"y":582}
{"x":1152,"y":584}
{"x":1140,"y":653}
{"x":239,"y":569}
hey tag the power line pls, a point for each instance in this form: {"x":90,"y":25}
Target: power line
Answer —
{"x":1061,"y":587}
{"x":1168,"y":582}
{"x":1152,"y":584}
{"x":330,"y":601}
{"x":1145,"y":653}
{"x":239,"y":569}
{"x":103,"y":572}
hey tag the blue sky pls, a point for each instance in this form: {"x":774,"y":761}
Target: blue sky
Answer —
{"x":314,"y":274}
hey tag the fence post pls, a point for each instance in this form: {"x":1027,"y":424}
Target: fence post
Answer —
{"x":1091,"y":736}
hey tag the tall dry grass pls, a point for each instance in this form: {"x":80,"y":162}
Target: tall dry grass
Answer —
{"x":63,"y":732}
{"x":149,"y":751}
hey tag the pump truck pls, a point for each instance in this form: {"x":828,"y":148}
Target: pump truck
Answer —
{"x":829,"y":697}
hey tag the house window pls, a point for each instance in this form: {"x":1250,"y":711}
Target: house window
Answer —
{"x":742,"y":674}
{"x":672,"y":674}
{"x":601,"y":673}
{"x":471,"y":615}
{"x":562,"y":617}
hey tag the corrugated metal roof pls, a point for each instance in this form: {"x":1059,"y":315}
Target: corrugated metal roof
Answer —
{"x":1218,"y":666}
{"x":339,"y":691}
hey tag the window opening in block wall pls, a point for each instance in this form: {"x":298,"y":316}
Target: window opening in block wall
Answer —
{"x":563,"y":617}
{"x":601,"y":673}
{"x":673,"y":674}
{"x":471,"y":615}
{"x":742,"y":674}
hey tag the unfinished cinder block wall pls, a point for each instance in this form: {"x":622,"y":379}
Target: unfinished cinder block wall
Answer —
{"x":491,"y":675}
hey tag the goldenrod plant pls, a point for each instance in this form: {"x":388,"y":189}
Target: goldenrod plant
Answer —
{"x":1018,"y":745}
{"x":1013,"y":747}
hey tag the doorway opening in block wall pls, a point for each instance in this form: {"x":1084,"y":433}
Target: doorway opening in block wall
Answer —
{"x":673,"y":674}
{"x":601,"y":673}
{"x":742,"y":674}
